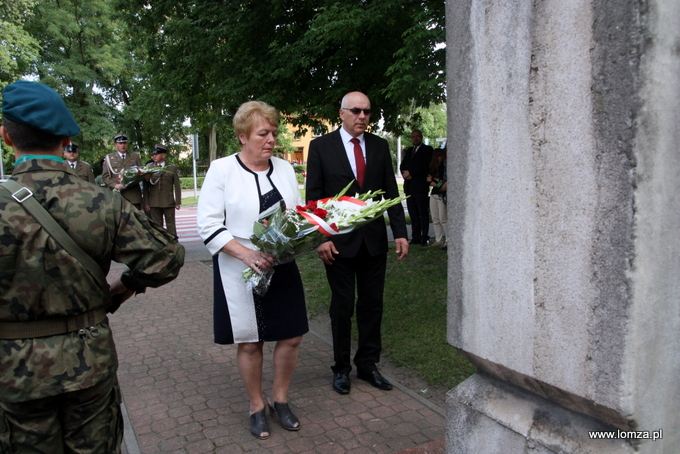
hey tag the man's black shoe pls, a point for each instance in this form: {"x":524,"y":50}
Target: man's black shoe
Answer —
{"x":375,"y":379}
{"x":341,"y":383}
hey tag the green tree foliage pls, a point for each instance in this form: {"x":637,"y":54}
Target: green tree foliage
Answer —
{"x":144,"y":68}
{"x":86,"y":55}
{"x":384,"y":48}
{"x":284,"y":142}
{"x":19,"y":49}
{"x":82,"y":57}
{"x":301,"y":56}
{"x":431,"y":121}
{"x":186,"y":44}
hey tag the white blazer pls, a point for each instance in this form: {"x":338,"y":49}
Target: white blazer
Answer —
{"x":229,"y":202}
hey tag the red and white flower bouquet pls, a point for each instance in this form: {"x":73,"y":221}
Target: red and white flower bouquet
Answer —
{"x":287,"y":233}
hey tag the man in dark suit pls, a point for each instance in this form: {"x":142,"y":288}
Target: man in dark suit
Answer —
{"x":414,"y":168}
{"x":357,"y":259}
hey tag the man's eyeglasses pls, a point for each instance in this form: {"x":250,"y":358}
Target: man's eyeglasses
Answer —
{"x":357,"y":111}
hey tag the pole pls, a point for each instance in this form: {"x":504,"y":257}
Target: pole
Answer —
{"x":398,"y":155}
{"x":195,"y":157}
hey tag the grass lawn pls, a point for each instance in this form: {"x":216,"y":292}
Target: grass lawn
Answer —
{"x":188,"y":201}
{"x":414,"y":319}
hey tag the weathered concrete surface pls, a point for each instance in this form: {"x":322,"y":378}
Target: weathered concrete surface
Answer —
{"x":651,"y":367}
{"x":509,"y":420}
{"x":564,"y":265}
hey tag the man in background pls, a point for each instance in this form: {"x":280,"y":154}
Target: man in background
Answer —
{"x":414,"y":168}
{"x":58,"y":368}
{"x":356,"y":261}
{"x":115,"y":163}
{"x":163,"y":191}
{"x":81,"y":168}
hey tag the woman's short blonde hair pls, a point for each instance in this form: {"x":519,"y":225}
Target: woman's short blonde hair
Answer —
{"x":250,"y":112}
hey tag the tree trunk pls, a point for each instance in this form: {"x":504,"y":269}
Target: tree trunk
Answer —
{"x":212,"y":144}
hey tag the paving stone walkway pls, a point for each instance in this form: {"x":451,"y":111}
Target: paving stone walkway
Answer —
{"x":182,"y":393}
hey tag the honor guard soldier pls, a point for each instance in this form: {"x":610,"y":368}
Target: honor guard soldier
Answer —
{"x":81,"y":168}
{"x":163,"y":191}
{"x":115,"y":163}
{"x":59,"y":389}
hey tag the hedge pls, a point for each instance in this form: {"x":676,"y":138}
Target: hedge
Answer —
{"x":188,"y":182}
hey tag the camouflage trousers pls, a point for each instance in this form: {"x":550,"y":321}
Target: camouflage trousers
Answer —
{"x":88,"y":421}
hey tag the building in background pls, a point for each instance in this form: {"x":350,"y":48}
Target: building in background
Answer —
{"x":301,"y":143}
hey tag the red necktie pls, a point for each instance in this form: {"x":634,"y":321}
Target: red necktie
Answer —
{"x":359,"y":158}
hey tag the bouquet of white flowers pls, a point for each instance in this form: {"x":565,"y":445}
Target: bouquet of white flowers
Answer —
{"x":286,"y":234}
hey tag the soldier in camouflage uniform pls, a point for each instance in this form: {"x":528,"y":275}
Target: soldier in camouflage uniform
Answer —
{"x":59,"y":393}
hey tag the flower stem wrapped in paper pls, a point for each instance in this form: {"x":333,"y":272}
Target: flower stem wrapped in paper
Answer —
{"x":136,"y":174}
{"x":286,"y":234}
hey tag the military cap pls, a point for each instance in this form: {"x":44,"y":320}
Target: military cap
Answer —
{"x":118,"y":138}
{"x":38,"y":106}
{"x":71,"y":147}
{"x":159,"y":149}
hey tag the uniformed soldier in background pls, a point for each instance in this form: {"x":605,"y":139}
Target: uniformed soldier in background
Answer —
{"x":115,"y":163}
{"x":163,"y":191}
{"x":82,"y":168}
{"x":58,"y":385}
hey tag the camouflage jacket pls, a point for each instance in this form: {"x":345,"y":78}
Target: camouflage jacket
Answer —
{"x":39,"y":279}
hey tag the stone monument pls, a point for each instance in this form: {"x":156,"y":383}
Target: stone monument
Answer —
{"x":564,"y":225}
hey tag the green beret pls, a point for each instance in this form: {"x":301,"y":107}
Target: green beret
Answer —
{"x":38,"y":106}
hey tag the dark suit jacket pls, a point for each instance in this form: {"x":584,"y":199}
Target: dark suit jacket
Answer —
{"x":418,"y":166}
{"x":329,"y":171}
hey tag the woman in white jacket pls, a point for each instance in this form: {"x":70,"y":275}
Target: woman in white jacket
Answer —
{"x":236,"y":191}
